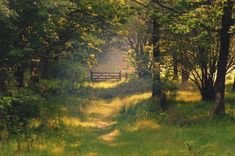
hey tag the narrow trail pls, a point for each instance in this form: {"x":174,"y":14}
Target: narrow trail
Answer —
{"x":108,"y":102}
{"x":103,"y":112}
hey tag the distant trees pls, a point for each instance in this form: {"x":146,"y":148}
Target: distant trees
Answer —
{"x":137,"y":34}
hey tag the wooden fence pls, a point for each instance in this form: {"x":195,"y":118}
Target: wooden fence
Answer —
{"x":105,"y":76}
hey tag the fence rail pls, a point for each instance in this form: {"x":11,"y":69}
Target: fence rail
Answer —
{"x":105,"y":76}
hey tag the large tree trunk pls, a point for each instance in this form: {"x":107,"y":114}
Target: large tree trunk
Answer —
{"x":223,"y":57}
{"x":156,"y":91}
{"x":157,"y":87}
{"x":234,"y":83}
{"x":208,"y":92}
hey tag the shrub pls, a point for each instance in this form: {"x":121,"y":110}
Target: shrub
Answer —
{"x":16,"y":111}
{"x":50,"y":88}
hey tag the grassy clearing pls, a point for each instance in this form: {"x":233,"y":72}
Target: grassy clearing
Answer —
{"x":115,"y":119}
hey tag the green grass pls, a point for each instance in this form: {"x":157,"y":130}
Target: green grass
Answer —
{"x":128,"y":123}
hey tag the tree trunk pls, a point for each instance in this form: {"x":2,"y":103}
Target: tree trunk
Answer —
{"x":157,"y":87}
{"x":19,"y":76}
{"x":184,"y":75}
{"x":175,"y":68}
{"x":2,"y":83}
{"x":226,"y":23}
{"x":234,"y":83}
{"x":156,"y":91}
{"x":208,"y":93}
{"x":45,"y":66}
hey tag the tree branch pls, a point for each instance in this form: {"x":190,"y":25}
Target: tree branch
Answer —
{"x":166,"y":7}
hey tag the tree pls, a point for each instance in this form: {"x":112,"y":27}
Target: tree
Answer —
{"x":226,"y":22}
{"x":137,"y":36}
{"x":37,"y":34}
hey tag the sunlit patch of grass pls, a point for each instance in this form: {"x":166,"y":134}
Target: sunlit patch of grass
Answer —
{"x":75,"y":122}
{"x":57,"y":149}
{"x":147,"y":124}
{"x":104,"y":85}
{"x":134,"y":99}
{"x":110,"y":136}
{"x":41,"y":147}
{"x":188,"y":96}
{"x":107,"y":108}
{"x":92,"y":154}
{"x":142,"y":124}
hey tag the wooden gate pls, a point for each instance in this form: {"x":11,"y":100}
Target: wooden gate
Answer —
{"x":105,"y":76}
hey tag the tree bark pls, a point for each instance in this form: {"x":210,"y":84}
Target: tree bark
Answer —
{"x":19,"y":76}
{"x":45,"y":66}
{"x":226,"y":23}
{"x":184,"y":75}
{"x":156,"y":90}
{"x":208,"y":93}
{"x":2,"y":82}
{"x":157,"y":84}
{"x":234,"y":83}
{"x":175,"y":68}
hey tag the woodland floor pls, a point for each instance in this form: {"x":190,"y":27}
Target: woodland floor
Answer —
{"x":119,"y":118}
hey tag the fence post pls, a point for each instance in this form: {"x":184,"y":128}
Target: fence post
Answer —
{"x":120,"y":75}
{"x":91,"y":75}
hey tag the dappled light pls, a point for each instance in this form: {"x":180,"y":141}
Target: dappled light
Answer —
{"x":112,"y":107}
{"x":104,"y":85}
{"x":110,"y":136}
{"x":143,"y":124}
{"x":74,"y":122}
{"x":188,"y":96}
{"x":57,"y":149}
{"x":117,"y":78}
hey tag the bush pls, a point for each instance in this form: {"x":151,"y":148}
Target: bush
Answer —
{"x":50,"y":88}
{"x":169,"y":89}
{"x":69,"y":70}
{"x":16,"y":111}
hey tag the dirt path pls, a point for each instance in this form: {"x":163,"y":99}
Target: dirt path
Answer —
{"x":103,"y":113}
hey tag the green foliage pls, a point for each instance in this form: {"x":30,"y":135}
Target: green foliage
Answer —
{"x":169,"y":88}
{"x":17,"y":109}
{"x":52,"y":88}
{"x":69,"y":70}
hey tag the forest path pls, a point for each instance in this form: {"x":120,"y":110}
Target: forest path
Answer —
{"x":106,"y":104}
